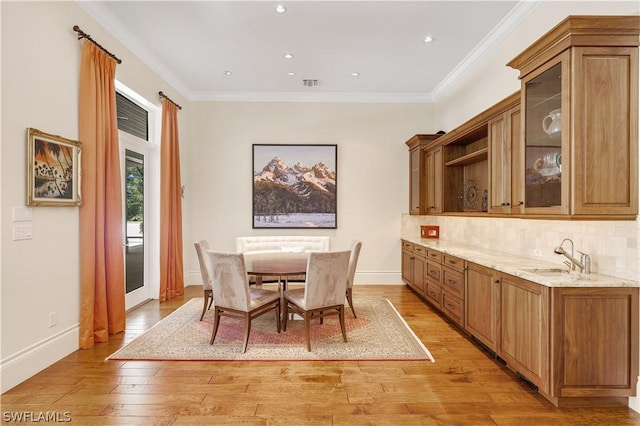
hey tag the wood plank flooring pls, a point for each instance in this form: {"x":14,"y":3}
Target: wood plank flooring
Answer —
{"x":465,"y":386}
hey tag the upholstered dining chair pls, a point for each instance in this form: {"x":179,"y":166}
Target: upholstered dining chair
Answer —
{"x":232,"y":296}
{"x":323,"y":293}
{"x":353,"y":262}
{"x":205,"y":270}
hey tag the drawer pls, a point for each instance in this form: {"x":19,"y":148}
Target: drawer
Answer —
{"x":433,"y":293}
{"x":406,"y":245}
{"x":434,"y":272}
{"x":452,"y":307}
{"x":434,"y":255}
{"x":453,"y":262}
{"x":420,"y":250}
{"x":453,"y":281}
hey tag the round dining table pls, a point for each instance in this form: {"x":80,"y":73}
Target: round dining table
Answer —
{"x":281,"y":264}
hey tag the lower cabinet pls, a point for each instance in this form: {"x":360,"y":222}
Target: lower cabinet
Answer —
{"x":524,"y":329}
{"x":577,"y":345}
{"x":481,"y":304}
{"x":413,"y":266}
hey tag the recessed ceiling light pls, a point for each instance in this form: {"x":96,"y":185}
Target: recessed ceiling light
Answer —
{"x":281,"y":9}
{"x":291,"y":73}
{"x":355,"y":74}
{"x":288,"y":55}
{"x":428,"y":39}
{"x":228,"y":73}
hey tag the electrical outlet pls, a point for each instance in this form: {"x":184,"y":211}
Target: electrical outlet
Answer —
{"x":53,"y":319}
{"x":537,"y":253}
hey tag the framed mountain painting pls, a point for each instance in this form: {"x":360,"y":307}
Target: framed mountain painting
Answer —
{"x":294,"y":186}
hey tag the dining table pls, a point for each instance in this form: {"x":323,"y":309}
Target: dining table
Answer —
{"x":281,"y":264}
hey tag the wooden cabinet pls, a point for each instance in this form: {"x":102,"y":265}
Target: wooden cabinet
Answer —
{"x":482,"y":300}
{"x":505,"y":161}
{"x":413,"y":266}
{"x":453,"y":292}
{"x":580,"y":118}
{"x":418,"y":180}
{"x":594,"y":343}
{"x":524,"y":329}
{"x":433,"y":180}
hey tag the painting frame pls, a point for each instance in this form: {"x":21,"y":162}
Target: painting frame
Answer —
{"x":294,"y":186}
{"x":53,"y":170}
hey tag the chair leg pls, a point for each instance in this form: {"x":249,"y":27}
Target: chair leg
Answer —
{"x":350,"y":300}
{"x":247,"y":330}
{"x":285,"y":315}
{"x":341,"y":313}
{"x":207,"y":301}
{"x":307,"y":331}
{"x":278,"y":315}
{"x":216,"y":322}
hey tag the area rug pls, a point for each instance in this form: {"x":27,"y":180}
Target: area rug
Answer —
{"x":378,"y":333}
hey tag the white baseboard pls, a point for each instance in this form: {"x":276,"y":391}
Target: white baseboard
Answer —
{"x":18,"y":367}
{"x":634,"y":401}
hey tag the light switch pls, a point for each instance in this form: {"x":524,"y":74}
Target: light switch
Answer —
{"x":22,"y":214}
{"x":22,"y":232}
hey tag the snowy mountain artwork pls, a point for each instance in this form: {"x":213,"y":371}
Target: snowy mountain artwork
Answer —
{"x":294,"y":186}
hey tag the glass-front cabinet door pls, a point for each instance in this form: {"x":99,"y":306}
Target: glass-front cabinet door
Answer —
{"x":546,"y":133}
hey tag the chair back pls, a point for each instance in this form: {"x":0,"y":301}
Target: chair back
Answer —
{"x":205,"y":264}
{"x":232,"y":283}
{"x":326,"y":280}
{"x":353,"y":261}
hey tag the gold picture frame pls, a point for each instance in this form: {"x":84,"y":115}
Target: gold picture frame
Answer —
{"x":53,"y":170}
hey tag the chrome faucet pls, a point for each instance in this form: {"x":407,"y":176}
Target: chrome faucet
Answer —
{"x":585,"y":260}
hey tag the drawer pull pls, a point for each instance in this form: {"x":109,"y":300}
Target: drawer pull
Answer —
{"x":451,"y":281}
{"x":450,"y":306}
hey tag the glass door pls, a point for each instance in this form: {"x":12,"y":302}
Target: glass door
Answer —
{"x":545,"y":129}
{"x":135,"y":243}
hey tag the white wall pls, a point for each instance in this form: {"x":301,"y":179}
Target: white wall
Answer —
{"x":40,"y":71}
{"x":372,"y":173}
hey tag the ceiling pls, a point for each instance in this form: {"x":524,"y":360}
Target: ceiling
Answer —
{"x":193,"y":44}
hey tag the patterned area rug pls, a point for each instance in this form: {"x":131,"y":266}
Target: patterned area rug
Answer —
{"x":379,"y":333}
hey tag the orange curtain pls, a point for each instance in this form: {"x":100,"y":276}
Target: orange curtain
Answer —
{"x":171,"y":263}
{"x":102,"y":308}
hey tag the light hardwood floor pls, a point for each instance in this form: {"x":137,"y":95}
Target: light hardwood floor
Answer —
{"x":465,"y":386}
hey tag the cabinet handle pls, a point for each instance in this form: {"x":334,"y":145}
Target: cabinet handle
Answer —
{"x":453,"y":262}
{"x":520,"y":203}
{"x":450,"y":281}
{"x":449,"y":306}
{"x":496,"y":281}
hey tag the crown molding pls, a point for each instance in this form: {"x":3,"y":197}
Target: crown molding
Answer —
{"x":310,"y":97}
{"x":504,"y":28}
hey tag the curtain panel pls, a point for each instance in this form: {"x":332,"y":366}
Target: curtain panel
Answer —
{"x":102,"y":305}
{"x":171,"y":262}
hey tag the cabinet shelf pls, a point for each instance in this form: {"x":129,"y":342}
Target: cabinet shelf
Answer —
{"x":474,"y":157}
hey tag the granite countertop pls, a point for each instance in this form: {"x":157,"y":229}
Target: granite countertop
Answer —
{"x":538,"y":271}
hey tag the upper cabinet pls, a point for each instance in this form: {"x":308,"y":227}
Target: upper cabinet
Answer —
{"x":564,"y":147}
{"x":579,"y":102}
{"x":418,"y":180}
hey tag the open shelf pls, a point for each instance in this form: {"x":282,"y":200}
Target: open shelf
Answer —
{"x":474,"y":157}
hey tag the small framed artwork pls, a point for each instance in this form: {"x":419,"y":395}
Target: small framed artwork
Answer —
{"x":294,"y":186}
{"x":53,"y":170}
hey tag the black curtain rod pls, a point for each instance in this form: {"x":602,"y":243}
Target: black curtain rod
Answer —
{"x":82,"y":34}
{"x":162,"y":95}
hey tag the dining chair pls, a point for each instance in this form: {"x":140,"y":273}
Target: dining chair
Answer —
{"x":353,"y":262}
{"x":232,"y":296}
{"x":324,"y":291}
{"x":205,"y":270}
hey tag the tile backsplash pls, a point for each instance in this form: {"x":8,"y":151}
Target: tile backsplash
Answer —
{"x":612,"y":245}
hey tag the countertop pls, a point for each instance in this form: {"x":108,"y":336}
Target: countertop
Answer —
{"x":538,"y":271}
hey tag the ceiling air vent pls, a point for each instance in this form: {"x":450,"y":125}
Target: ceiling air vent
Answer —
{"x":310,"y":83}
